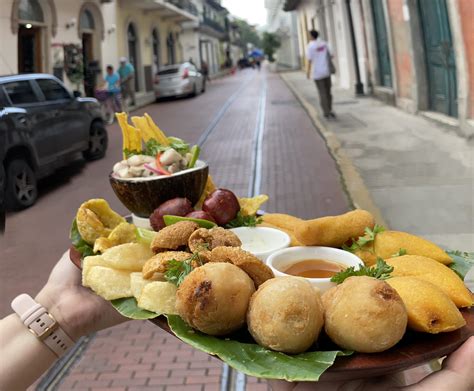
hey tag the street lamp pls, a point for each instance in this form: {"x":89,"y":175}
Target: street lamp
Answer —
{"x":359,"y":87}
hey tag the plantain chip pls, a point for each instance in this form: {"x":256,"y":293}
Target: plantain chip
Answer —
{"x":250,"y":206}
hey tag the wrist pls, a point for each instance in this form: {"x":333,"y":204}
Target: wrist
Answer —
{"x":71,"y":324}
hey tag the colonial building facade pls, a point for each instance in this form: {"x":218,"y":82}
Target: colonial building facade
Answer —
{"x":416,"y":54}
{"x":77,"y":39}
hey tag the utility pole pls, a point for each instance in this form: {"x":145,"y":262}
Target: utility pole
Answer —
{"x":359,"y":87}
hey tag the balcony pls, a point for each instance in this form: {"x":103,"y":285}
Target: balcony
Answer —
{"x":185,"y":5}
{"x":176,"y":10}
{"x":213,"y":28}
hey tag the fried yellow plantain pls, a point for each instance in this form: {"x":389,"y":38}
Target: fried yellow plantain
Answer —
{"x":96,"y":219}
{"x":333,"y":231}
{"x":122,"y":233}
{"x":435,"y":272}
{"x":429,"y":309}
{"x":388,"y":243}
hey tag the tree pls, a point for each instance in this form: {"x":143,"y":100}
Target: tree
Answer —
{"x":270,"y":44}
{"x":248,"y":34}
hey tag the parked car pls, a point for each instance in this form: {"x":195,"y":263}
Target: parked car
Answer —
{"x":43,"y":126}
{"x":178,"y":80}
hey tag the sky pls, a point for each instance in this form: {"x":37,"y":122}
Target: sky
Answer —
{"x":253,"y":11}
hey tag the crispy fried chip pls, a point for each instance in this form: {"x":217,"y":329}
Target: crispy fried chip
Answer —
{"x":108,"y":283}
{"x":89,"y":262}
{"x":159,"y":297}
{"x":96,"y":219}
{"x":250,"y":206}
{"x":122,"y":233}
{"x":128,"y":256}
{"x":137,"y":283}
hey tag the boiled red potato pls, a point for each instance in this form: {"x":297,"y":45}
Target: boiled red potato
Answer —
{"x":222,"y":205}
{"x":175,"y":207}
{"x":200,"y":214}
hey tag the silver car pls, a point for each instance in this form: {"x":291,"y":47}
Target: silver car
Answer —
{"x":178,"y":80}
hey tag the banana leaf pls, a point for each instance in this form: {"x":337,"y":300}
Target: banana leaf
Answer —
{"x":128,"y":307}
{"x":462,"y":262}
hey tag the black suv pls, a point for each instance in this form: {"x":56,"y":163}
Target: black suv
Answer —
{"x":43,"y":127}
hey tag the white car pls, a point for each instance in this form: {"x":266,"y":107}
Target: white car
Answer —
{"x":178,"y":80}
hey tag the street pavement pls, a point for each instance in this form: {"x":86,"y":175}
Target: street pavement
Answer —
{"x":257,"y":138}
{"x":417,"y":175}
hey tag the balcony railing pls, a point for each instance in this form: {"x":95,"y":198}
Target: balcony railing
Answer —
{"x":213,"y":24}
{"x":185,"y":5}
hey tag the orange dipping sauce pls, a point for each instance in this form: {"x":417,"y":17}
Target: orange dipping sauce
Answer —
{"x":314,"y":268}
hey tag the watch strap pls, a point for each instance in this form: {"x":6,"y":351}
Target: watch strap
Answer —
{"x":41,"y":324}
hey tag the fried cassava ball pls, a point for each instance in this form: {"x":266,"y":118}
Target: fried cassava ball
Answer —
{"x":214,"y":298}
{"x":285,"y":314}
{"x":364,"y":314}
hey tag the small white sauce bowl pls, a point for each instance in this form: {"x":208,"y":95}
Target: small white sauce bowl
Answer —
{"x":262,"y":241}
{"x":283,"y":259}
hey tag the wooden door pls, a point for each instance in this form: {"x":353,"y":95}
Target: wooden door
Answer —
{"x":29,"y":50}
{"x":381,"y":40}
{"x":87,"y":58}
{"x":439,"y":57}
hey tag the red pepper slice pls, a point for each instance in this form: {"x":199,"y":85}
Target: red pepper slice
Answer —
{"x":159,"y":167}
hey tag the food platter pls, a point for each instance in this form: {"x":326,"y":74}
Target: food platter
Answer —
{"x":413,"y":350}
{"x":331,"y":298}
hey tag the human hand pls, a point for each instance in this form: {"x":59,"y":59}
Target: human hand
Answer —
{"x":456,"y":374}
{"x":77,"y":309}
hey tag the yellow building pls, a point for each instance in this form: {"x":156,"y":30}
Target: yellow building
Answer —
{"x":61,"y":36}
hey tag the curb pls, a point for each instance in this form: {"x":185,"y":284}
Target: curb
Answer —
{"x":354,"y":185}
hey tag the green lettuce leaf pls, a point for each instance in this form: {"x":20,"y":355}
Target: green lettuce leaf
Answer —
{"x":79,"y":244}
{"x":462,"y":261}
{"x":128,"y":307}
{"x":254,"y":360}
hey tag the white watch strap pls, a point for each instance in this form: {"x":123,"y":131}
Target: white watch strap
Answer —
{"x":41,"y":324}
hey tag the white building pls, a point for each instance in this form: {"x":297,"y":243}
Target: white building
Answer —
{"x":285,"y":25}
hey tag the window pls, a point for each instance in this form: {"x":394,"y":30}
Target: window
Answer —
{"x":87,"y":21}
{"x":52,"y":90}
{"x":20,"y":92}
{"x":30,"y":10}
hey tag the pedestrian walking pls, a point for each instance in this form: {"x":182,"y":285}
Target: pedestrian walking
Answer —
{"x":319,"y":69}
{"x":109,"y":94}
{"x":205,"y":71}
{"x":127,"y":80}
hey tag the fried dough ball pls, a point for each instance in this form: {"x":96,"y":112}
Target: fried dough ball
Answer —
{"x":203,"y":240}
{"x":158,"y":264}
{"x":214,"y":298}
{"x":285,"y":314}
{"x":249,"y":263}
{"x":174,"y":236}
{"x":364,"y":314}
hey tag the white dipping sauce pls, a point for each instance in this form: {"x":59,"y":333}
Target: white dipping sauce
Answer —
{"x":262,"y":241}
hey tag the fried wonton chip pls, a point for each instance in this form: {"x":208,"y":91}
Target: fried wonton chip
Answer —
{"x":128,"y":256}
{"x":159,"y":297}
{"x":250,"y":206}
{"x":108,"y":283}
{"x":122,"y":233}
{"x":96,"y":219}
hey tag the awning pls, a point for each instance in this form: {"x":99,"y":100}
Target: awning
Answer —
{"x":177,"y":10}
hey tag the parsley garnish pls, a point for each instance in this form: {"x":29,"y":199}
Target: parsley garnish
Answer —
{"x":380,"y":271}
{"x":369,"y":237}
{"x":178,"y":270}
{"x":244,"y":221}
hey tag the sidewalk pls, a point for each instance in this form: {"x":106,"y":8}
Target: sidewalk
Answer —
{"x":415,"y":173}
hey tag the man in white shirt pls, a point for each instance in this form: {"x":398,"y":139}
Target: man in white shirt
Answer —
{"x":319,"y":59}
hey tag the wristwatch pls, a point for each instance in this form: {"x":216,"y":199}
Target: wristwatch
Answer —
{"x":41,"y":324}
